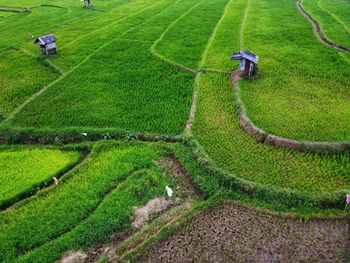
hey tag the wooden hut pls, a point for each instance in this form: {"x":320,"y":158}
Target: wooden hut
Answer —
{"x":47,"y":44}
{"x":88,"y":3}
{"x":247,"y":61}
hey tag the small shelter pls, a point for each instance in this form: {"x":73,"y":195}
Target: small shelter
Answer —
{"x":88,"y":3}
{"x":247,"y":61}
{"x":47,"y":44}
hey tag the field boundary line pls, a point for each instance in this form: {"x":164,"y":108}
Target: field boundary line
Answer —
{"x":113,"y":23}
{"x":114,"y":187}
{"x":318,"y":30}
{"x":64,"y":74}
{"x":165,"y":225}
{"x":190,"y":120}
{"x":31,"y":98}
{"x":213,"y":35}
{"x":153,"y":47}
{"x":210,"y":70}
{"x":246,"y":11}
{"x":46,"y":61}
{"x":133,"y":40}
{"x":46,"y":185}
{"x":334,"y":16}
{"x":261,"y":136}
{"x":189,"y":124}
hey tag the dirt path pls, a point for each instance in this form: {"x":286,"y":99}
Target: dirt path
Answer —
{"x":319,"y":32}
{"x":231,"y":232}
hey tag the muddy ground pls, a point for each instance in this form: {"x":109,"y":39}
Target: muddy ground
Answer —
{"x":234,"y":233}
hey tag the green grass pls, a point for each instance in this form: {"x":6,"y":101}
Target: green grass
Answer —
{"x":119,"y":69}
{"x":185,"y":42}
{"x":130,"y":94}
{"x":218,"y":130}
{"x":217,"y":125}
{"x":334,"y":18}
{"x":132,"y":99}
{"x":303,"y":92}
{"x":136,"y":190}
{"x":99,"y":196}
{"x":25,"y":168}
{"x":339,"y":9}
{"x":21,"y":76}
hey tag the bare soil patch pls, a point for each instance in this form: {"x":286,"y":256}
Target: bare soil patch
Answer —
{"x":231,"y":232}
{"x":186,"y":187}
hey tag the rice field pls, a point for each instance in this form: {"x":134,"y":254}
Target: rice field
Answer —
{"x":99,"y":195}
{"x":304,"y":89}
{"x":23,"y":169}
{"x":128,"y":81}
{"x":334,"y":17}
{"x":161,"y":71}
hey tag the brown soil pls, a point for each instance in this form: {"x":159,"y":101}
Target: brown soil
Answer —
{"x":186,"y":188}
{"x":95,"y":253}
{"x":231,"y":232}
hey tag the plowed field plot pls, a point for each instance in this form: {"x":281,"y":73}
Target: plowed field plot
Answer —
{"x":230,"y":227}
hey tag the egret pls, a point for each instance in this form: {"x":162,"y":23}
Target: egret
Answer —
{"x":169,"y":191}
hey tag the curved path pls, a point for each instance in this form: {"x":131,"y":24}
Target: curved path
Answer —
{"x":263,"y":137}
{"x":258,"y":133}
{"x":319,"y":32}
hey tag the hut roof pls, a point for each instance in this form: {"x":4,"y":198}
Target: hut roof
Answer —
{"x":46,"y":39}
{"x":247,"y":55}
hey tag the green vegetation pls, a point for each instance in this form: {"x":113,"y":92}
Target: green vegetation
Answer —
{"x":217,"y":129}
{"x":21,"y":76}
{"x":187,"y":39}
{"x":130,"y":94}
{"x":99,"y":196}
{"x":126,"y":69}
{"x":217,"y":125}
{"x":303,"y":92}
{"x":334,"y":18}
{"x":25,"y":168}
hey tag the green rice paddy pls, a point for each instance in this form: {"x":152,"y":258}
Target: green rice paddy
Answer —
{"x":131,"y":67}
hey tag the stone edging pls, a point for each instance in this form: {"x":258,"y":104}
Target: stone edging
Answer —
{"x":263,"y":137}
{"x":319,"y":32}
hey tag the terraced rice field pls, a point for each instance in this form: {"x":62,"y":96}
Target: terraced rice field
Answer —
{"x":334,"y":17}
{"x":161,"y":71}
{"x":99,"y":196}
{"x":25,"y":168}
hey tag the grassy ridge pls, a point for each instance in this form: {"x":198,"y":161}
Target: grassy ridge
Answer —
{"x":128,"y":94}
{"x":21,"y":76}
{"x":184,"y":43}
{"x":24,"y":168}
{"x":218,"y":130}
{"x":83,"y":194}
{"x":339,"y":9}
{"x":112,"y":215}
{"x":136,"y":100}
{"x":303,"y":92}
{"x":336,"y":27}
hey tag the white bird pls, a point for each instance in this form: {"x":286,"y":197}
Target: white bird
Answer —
{"x":84,"y":133}
{"x":55,"y":180}
{"x":169,"y":191}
